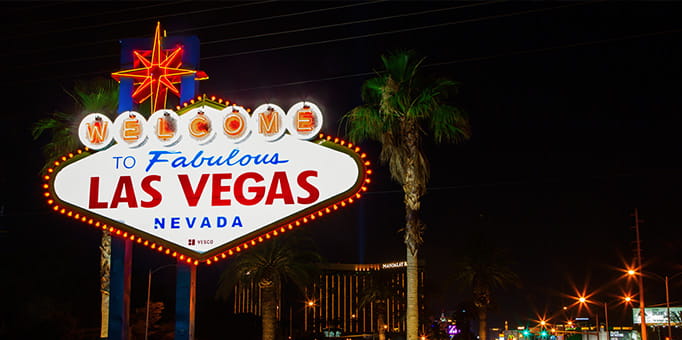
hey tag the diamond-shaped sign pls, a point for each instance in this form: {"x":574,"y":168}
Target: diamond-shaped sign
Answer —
{"x":202,"y":194}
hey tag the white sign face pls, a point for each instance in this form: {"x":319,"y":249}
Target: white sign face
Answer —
{"x":658,"y":316}
{"x":193,"y":185}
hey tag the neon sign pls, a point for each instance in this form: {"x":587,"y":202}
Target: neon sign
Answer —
{"x":208,"y":180}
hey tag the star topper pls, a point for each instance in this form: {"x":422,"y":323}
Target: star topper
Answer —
{"x":158,"y":73}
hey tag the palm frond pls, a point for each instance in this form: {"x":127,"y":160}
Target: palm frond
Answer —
{"x":287,"y":258}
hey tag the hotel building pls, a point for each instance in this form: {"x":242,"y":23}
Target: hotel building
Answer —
{"x":334,"y":300}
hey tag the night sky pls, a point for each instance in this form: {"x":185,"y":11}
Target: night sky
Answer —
{"x":575,"y":108}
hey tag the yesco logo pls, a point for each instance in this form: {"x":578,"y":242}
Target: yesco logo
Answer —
{"x":233,"y":125}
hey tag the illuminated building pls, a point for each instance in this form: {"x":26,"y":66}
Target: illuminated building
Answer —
{"x":333,"y":301}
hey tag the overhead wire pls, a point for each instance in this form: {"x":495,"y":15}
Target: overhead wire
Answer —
{"x":6,"y":11}
{"x":471,"y":59}
{"x":80,"y":28}
{"x":199,"y":28}
{"x":320,"y":42}
{"x":280,"y":16}
{"x":355,"y":22}
{"x":427,"y":65}
{"x":90,"y":15}
{"x":404,"y":30}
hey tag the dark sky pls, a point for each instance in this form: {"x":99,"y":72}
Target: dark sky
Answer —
{"x":575,"y":108}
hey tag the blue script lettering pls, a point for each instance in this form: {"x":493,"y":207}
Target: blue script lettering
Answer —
{"x":199,"y":160}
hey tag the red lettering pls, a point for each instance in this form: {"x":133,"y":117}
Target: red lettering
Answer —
{"x":313,"y":192}
{"x":151,"y":191}
{"x":192,"y":196}
{"x":94,"y":195}
{"x":258,"y":191}
{"x":124,"y":193}
{"x":279,"y":180}
{"x":219,"y":189}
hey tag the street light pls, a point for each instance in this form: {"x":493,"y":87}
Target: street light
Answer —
{"x":309,"y":304}
{"x":583,"y":300}
{"x":149,"y":289}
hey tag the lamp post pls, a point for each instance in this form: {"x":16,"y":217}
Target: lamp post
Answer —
{"x":667,"y":304}
{"x":666,"y":279}
{"x":606,"y":317}
{"x":149,"y":289}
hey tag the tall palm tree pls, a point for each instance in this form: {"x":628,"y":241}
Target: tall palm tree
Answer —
{"x":97,"y":95}
{"x":288,"y":257}
{"x":483,"y":267}
{"x":401,"y":107}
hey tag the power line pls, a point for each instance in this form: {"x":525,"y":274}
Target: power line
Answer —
{"x":123,"y":10}
{"x":546,"y":49}
{"x":405,"y":30}
{"x":7,"y":12}
{"x":80,"y":28}
{"x":269,"y":18}
{"x":403,"y":15}
{"x":465,"y":60}
{"x":462,"y":60}
{"x":199,"y":28}
{"x":63,"y":61}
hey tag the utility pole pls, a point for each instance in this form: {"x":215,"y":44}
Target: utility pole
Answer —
{"x":642,"y":313}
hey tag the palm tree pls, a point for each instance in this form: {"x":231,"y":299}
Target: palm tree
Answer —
{"x":483,"y":267}
{"x":286,"y":258}
{"x":400,"y":108}
{"x":98,"y":95}
{"x":379,"y":290}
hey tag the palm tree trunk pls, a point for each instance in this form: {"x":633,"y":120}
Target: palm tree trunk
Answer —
{"x":381,"y":323}
{"x":105,"y":274}
{"x":412,"y":296}
{"x":269,"y":312}
{"x":482,"y":324}
{"x":413,"y":228}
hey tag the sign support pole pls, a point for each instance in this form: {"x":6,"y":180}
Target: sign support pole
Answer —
{"x":186,"y":277}
{"x":121,"y":249}
{"x":185,"y":300}
{"x":119,"y":303}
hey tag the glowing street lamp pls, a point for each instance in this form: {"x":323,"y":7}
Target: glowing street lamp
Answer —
{"x":584,"y":301}
{"x":309,"y":304}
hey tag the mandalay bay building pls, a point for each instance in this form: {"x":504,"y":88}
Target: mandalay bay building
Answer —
{"x":335,"y":300}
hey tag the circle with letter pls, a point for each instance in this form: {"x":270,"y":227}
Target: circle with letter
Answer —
{"x":163,"y":126}
{"x":130,"y":128}
{"x":95,"y":131}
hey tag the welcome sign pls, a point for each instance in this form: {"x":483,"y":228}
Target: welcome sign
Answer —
{"x":209,"y":180}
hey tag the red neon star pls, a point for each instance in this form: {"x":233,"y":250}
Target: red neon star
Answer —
{"x":158,"y":74}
